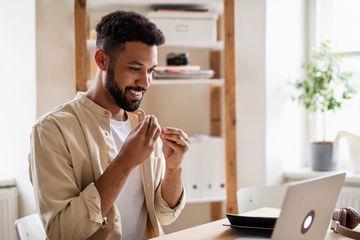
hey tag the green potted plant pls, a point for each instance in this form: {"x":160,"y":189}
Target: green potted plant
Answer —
{"x":324,"y":88}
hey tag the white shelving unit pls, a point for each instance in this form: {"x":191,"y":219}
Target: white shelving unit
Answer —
{"x":207,"y":199}
{"x":216,"y":46}
{"x":172,"y":82}
{"x":210,"y":82}
{"x":95,"y":5}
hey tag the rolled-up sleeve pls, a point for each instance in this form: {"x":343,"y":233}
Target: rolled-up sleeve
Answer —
{"x":93,"y":202}
{"x":165,"y":214}
{"x":67,"y":211}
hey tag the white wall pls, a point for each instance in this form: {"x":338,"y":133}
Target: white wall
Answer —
{"x":270,"y":50}
{"x":18,"y":95}
{"x":285,"y":51}
{"x":251,"y":95}
{"x":37,"y":69}
{"x":55,"y":53}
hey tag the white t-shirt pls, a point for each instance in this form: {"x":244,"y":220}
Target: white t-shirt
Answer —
{"x":131,"y":199}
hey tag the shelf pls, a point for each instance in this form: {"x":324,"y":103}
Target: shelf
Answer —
{"x":167,"y":82}
{"x":215,"y":6}
{"x":212,"y":82}
{"x":219,"y":45}
{"x":206,"y":199}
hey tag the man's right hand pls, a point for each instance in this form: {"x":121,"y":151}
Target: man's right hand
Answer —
{"x":140,"y":143}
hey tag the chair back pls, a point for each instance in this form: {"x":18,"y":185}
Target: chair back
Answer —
{"x":30,"y":228}
{"x":353,"y":143}
{"x":251,"y":198}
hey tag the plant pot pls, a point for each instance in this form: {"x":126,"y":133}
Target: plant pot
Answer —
{"x":321,"y":158}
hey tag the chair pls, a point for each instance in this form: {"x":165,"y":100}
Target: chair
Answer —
{"x":251,"y":198}
{"x":30,"y":228}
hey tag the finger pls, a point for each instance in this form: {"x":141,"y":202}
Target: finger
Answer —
{"x":170,"y":130}
{"x":158,"y":129}
{"x":149,"y":125}
{"x":173,"y":130}
{"x":136,"y":129}
{"x":174,"y":146}
{"x":178,"y":139}
{"x":157,"y":134}
{"x":143,"y":129}
{"x":138,"y":126}
{"x":154,"y":127}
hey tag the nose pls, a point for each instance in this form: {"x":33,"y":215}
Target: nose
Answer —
{"x":145,"y":80}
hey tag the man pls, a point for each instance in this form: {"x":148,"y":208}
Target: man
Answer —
{"x":101,"y":169}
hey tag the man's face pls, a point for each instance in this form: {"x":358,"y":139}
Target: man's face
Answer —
{"x":130,"y":73}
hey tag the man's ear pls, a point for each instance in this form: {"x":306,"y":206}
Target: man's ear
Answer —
{"x":102,"y":59}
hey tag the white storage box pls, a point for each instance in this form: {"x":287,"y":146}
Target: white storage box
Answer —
{"x":204,"y":168}
{"x":186,"y":26}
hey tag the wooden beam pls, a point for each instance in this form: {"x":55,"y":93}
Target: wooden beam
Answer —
{"x":81,"y":53}
{"x":215,"y":92}
{"x":215,"y":96}
{"x":216,"y":210}
{"x":230,"y":106}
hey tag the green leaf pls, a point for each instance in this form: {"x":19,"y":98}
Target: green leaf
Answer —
{"x":322,"y":76}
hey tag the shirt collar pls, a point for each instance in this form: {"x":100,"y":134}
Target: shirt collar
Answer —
{"x":81,"y":97}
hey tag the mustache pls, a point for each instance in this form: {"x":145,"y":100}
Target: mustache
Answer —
{"x":135,"y":88}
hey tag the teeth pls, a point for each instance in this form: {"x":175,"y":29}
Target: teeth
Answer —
{"x":134,"y":91}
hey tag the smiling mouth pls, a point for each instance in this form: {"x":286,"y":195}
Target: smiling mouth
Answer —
{"x":136,"y":94}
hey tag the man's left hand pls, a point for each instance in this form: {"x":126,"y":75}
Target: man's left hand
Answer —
{"x":175,"y":144}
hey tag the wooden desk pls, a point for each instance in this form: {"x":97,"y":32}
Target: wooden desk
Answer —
{"x":216,"y":230}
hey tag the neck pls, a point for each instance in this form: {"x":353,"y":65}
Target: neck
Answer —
{"x":98,"y":94}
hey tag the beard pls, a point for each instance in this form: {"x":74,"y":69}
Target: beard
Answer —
{"x":118,"y":95}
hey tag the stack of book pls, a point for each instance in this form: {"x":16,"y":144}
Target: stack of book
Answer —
{"x":182,"y":72}
{"x":179,"y":8}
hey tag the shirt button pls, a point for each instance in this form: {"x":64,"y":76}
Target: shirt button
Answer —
{"x":106,"y":134}
{"x":117,"y":219}
{"x":104,"y":221}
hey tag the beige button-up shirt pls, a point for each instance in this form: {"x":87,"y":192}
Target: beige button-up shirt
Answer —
{"x":71,"y":146}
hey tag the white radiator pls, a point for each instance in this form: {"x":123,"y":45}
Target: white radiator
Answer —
{"x":8,"y":212}
{"x":349,"y":197}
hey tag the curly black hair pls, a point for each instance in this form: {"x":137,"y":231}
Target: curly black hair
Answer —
{"x":119,"y":27}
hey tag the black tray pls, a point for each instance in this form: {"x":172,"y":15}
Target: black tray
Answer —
{"x":247,"y":222}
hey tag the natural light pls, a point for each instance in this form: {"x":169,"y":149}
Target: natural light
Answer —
{"x":336,"y":21}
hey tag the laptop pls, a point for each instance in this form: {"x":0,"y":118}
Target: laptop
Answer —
{"x":305,"y":213}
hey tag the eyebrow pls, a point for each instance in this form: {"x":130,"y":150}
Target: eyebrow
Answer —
{"x":136,"y":62}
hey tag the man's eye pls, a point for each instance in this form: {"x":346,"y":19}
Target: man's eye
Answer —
{"x":150,"y":71}
{"x":135,"y":69}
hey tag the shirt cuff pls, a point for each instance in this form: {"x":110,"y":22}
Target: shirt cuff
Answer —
{"x":92,"y":200}
{"x":165,"y":213}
